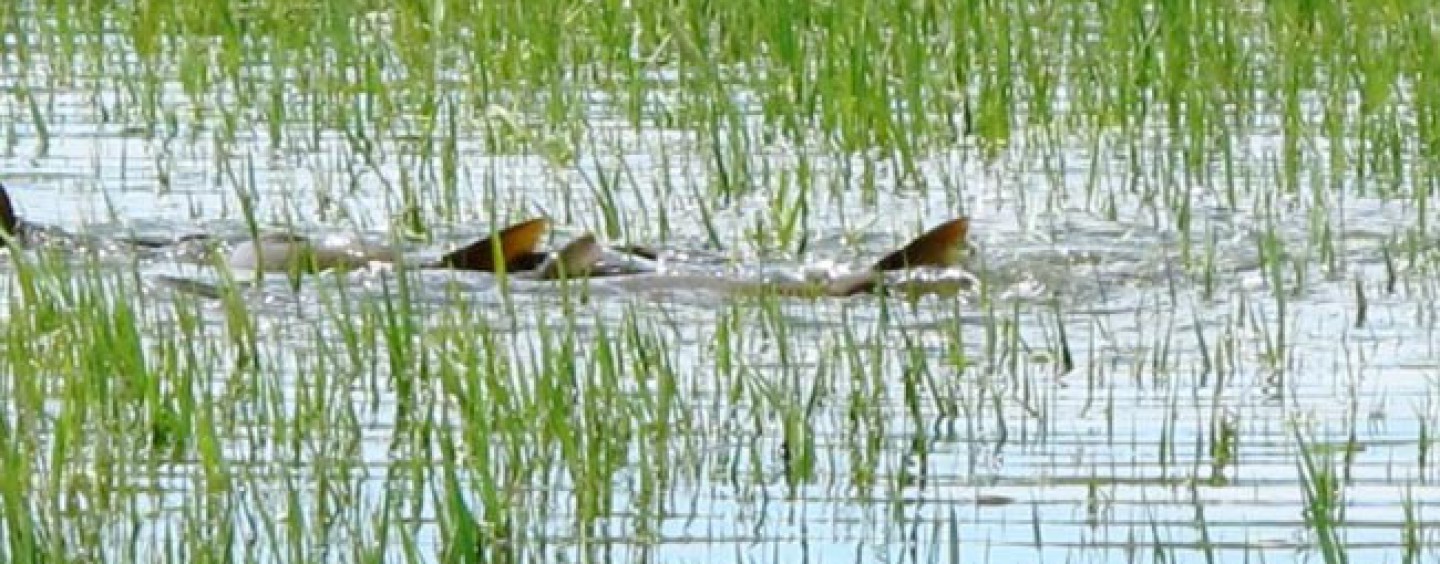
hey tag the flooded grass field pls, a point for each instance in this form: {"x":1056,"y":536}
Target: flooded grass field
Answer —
{"x":1205,"y":329}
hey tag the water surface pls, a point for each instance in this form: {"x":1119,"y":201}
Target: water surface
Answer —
{"x":749,"y":430}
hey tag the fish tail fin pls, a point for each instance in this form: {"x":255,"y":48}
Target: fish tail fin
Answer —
{"x":513,"y":247}
{"x":9,"y":222}
{"x":940,"y":246}
{"x":575,"y":260}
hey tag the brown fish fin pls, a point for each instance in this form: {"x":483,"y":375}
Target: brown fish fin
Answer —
{"x":939,"y":246}
{"x":9,"y":222}
{"x":515,"y":247}
{"x":575,"y":260}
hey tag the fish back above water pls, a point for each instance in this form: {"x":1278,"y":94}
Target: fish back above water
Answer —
{"x":285,"y":252}
{"x":577,"y":259}
{"x":514,"y":246}
{"x":938,"y":247}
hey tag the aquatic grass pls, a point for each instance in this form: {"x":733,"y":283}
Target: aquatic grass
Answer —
{"x":864,"y":414}
{"x":605,"y":188}
{"x":581,"y":407}
{"x":1187,"y":63}
{"x":30,"y":533}
{"x":787,"y":212}
{"x":1411,"y":536}
{"x":585,"y":421}
{"x":114,"y":386}
{"x":484,"y":412}
{"x":90,"y":385}
{"x":1324,"y":504}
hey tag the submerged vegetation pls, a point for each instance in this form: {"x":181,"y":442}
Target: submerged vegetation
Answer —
{"x":1206,"y":328}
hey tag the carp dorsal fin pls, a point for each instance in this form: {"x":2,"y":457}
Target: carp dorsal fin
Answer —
{"x":575,"y":260}
{"x":939,"y":246}
{"x":9,"y":222}
{"x":516,"y":247}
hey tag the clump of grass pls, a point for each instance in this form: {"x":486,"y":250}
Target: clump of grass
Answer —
{"x":1324,"y":504}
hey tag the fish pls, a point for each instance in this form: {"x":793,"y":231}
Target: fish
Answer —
{"x":17,"y":232}
{"x":938,"y":252}
{"x":10,"y":226}
{"x":514,"y":250}
{"x":926,"y":264}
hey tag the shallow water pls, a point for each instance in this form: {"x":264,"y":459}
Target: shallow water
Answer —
{"x":953,"y":433}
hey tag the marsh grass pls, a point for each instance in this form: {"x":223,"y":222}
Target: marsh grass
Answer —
{"x":1324,"y":504}
{"x":503,"y":427}
{"x":899,"y":78}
